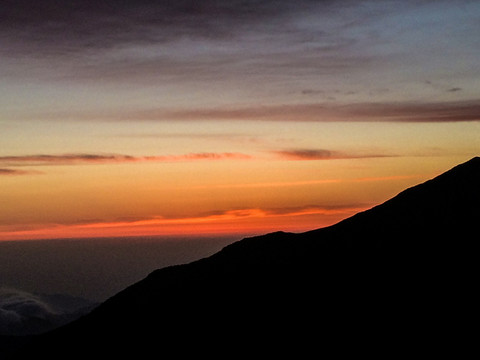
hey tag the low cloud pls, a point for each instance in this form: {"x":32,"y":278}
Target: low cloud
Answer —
{"x":19,"y":309}
{"x":23,"y":313}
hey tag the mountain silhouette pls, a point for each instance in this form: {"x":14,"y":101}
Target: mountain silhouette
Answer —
{"x":399,"y":276}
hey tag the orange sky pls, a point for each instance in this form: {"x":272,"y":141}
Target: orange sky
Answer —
{"x":228,"y":118}
{"x":220,"y":196}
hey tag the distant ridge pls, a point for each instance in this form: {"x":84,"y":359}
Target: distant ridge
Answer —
{"x":398,"y":278}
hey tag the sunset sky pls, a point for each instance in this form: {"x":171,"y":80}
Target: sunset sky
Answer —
{"x":122,"y":118}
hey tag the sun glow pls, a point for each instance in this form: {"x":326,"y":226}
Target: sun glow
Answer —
{"x":242,"y":222}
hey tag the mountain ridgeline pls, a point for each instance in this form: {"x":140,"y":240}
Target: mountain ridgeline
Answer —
{"x":400,"y":273}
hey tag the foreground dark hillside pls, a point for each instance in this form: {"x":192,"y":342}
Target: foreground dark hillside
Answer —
{"x":396,"y":276}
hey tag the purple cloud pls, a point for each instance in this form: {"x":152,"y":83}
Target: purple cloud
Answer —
{"x":453,"y":111}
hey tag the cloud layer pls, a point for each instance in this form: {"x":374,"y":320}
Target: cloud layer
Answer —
{"x":400,"y":111}
{"x":94,"y":24}
{"x":269,"y":56}
{"x":85,"y":159}
{"x":453,"y":111}
{"x":23,"y":313}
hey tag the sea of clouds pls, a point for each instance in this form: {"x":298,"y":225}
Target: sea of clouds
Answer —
{"x":24,"y":313}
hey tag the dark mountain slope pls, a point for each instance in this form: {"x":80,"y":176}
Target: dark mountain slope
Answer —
{"x":430,"y":217}
{"x":399,"y":274}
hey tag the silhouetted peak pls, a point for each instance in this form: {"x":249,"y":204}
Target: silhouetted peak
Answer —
{"x":412,"y":257}
{"x":475,"y":160}
{"x":466,"y":169}
{"x":458,"y":185}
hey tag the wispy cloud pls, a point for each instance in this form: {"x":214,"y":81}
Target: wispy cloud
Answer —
{"x":322,"y":154}
{"x":452,"y":111}
{"x":43,"y":159}
{"x":10,"y":172}
{"x":71,"y":159}
{"x":300,"y":183}
{"x":318,"y":210}
{"x":213,"y":136}
{"x":96,"y":159}
{"x":307,"y":154}
{"x":14,"y":172}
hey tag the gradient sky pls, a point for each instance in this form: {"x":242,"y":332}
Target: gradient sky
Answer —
{"x":221,"y":117}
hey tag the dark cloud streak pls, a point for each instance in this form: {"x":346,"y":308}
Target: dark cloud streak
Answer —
{"x":73,"y":25}
{"x":386,"y":112}
{"x":182,"y":41}
{"x":418,"y":111}
{"x":323,"y":154}
{"x":64,"y":159}
{"x":70,"y":159}
{"x":15,"y":172}
{"x":454,"y":89}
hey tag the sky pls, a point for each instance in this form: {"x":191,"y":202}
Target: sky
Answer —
{"x":137,"y":117}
